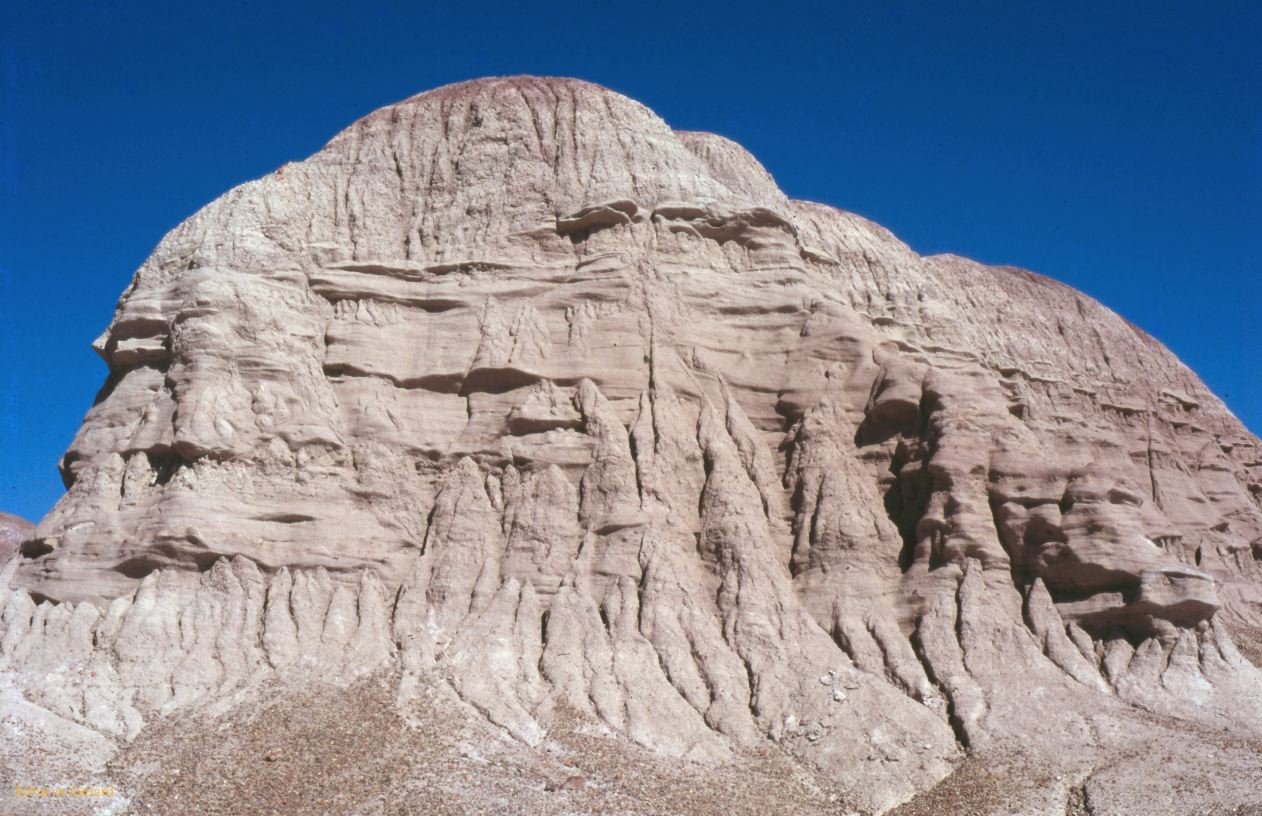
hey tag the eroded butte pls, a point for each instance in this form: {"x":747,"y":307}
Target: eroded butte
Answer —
{"x":559,"y":421}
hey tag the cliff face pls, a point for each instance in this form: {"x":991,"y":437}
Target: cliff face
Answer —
{"x":517,"y":390}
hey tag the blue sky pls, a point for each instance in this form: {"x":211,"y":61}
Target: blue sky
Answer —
{"x":1115,"y":146}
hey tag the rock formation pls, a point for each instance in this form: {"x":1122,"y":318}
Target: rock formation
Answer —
{"x":512,"y":393}
{"x":13,"y":531}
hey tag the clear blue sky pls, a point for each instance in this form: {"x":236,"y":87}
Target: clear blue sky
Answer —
{"x":1115,"y":146}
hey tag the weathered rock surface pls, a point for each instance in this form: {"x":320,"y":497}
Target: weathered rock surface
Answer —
{"x":517,"y":395}
{"x":13,"y":531}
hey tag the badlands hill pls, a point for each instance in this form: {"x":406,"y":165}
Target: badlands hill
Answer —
{"x":516,"y":453}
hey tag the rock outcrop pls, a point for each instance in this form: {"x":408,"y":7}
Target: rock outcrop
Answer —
{"x":13,"y":531}
{"x":515,"y":392}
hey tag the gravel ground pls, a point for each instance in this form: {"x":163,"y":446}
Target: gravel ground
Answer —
{"x":1248,"y":641}
{"x":348,"y":752}
{"x":318,"y":750}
